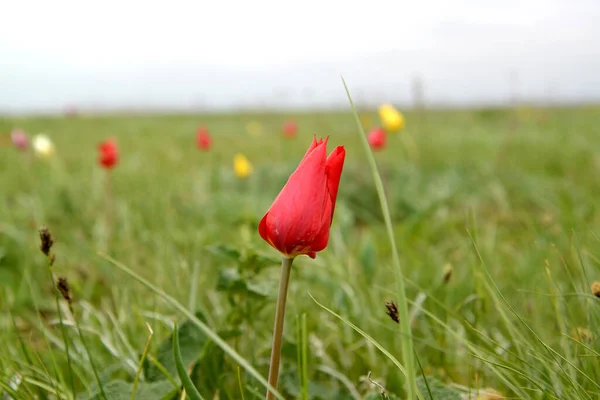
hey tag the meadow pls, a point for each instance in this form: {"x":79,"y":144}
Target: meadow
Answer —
{"x":494,"y":214}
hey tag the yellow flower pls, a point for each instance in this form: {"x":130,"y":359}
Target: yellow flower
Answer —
{"x":254,"y":128}
{"x":241,"y":166}
{"x":391,"y":119}
{"x":42,"y":145}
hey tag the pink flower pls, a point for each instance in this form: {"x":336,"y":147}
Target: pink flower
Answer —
{"x":19,"y":139}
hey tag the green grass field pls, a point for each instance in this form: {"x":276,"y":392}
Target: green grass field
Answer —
{"x":505,"y":198}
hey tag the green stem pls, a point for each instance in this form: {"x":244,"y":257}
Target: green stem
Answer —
{"x":286,"y":269}
{"x":63,"y":330}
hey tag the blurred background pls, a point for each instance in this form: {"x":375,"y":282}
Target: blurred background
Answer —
{"x":207,"y":55}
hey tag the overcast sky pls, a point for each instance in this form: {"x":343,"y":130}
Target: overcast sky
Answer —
{"x":133,"y":53}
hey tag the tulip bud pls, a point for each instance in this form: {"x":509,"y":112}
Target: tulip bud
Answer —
{"x":242,"y":166}
{"x":109,"y":154}
{"x":203,"y":139}
{"x":42,"y":145}
{"x":19,"y":139}
{"x":290,"y":129}
{"x":299,"y":219}
{"x":377,"y":139}
{"x":391,"y":119}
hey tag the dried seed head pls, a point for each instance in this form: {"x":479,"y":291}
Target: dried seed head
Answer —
{"x":447,"y":272}
{"x":596,"y":288}
{"x":46,"y":241}
{"x":64,"y":289}
{"x":392,"y":311}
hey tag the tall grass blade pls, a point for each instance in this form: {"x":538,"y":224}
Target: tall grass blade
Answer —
{"x":406,"y":339}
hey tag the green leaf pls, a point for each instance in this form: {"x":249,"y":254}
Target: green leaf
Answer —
{"x":256,"y":261}
{"x":190,"y":389}
{"x":229,"y":280}
{"x":121,"y":390}
{"x":192,"y":342}
{"x":225,"y":251}
{"x":438,"y":390}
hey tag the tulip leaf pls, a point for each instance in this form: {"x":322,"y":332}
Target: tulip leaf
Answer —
{"x":225,"y":251}
{"x":230,"y":281}
{"x":248,"y":260}
{"x":257,"y":261}
{"x":190,"y":389}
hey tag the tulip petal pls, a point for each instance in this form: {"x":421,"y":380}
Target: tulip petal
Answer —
{"x":333,"y":170}
{"x":313,"y":145}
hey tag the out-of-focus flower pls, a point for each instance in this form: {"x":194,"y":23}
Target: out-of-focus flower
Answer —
{"x":19,"y":139}
{"x":203,"y":139}
{"x":254,"y":128}
{"x":241,"y":166}
{"x":290,"y":129}
{"x":377,"y":139}
{"x":391,"y":119}
{"x":42,"y":145}
{"x":299,"y":219}
{"x":109,"y":154}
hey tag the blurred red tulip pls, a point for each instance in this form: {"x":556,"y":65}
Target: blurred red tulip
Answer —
{"x":203,"y":139}
{"x":290,"y":129}
{"x":377,"y":139}
{"x":299,"y":219}
{"x":19,"y":139}
{"x":109,"y":154}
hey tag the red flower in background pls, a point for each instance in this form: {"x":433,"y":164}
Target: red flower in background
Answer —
{"x":299,"y":219}
{"x":290,"y":129}
{"x":109,"y":154}
{"x":377,"y":139}
{"x":203,"y":139}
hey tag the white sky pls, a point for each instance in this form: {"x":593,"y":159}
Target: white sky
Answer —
{"x":102,"y":40}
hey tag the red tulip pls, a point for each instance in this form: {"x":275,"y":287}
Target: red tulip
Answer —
{"x":203,"y":139}
{"x":377,"y":139}
{"x":299,"y":219}
{"x":109,"y":154}
{"x":290,"y":129}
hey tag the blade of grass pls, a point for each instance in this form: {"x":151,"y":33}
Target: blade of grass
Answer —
{"x":389,"y":355}
{"x":304,"y":359}
{"x":406,"y":338}
{"x":187,"y":383}
{"x":239,"y":375}
{"x":202,"y":326}
{"x":141,"y":365}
